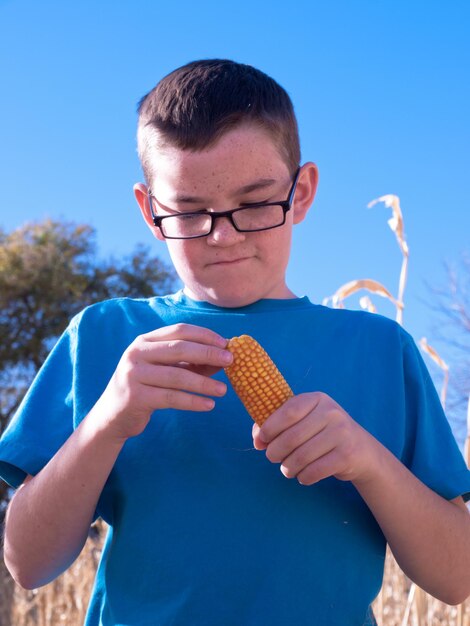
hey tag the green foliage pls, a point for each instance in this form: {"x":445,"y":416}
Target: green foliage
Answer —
{"x":48,"y":272}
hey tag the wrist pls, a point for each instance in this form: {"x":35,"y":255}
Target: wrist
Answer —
{"x":373,"y":463}
{"x":385,"y":473}
{"x":100,"y":425}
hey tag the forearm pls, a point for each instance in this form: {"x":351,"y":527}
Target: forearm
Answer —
{"x":49,"y":517}
{"x":428,"y":535}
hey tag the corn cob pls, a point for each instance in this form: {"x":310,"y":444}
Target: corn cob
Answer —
{"x":255,"y":378}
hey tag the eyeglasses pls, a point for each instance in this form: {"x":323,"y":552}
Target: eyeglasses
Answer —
{"x":245,"y":219}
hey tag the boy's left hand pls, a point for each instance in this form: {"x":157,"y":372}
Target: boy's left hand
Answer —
{"x":314,"y":438}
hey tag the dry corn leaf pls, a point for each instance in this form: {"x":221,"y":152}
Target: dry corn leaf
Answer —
{"x":396,"y":221}
{"x":468,"y":416}
{"x":366,"y":303}
{"x":433,"y":354}
{"x":467,"y":441}
{"x":356,"y":285}
{"x":440,"y":362}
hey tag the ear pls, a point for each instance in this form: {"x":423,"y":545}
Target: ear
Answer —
{"x":305,"y":191}
{"x":141,"y":195}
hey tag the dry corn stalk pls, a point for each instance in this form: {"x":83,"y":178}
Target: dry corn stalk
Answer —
{"x":417,"y":595}
{"x":396,"y":224}
{"x":386,"y":603}
{"x":256,"y":379}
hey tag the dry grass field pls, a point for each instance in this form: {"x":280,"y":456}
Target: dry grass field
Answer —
{"x":64,"y":602}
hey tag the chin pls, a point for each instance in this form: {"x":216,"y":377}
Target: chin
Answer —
{"x":228,"y":300}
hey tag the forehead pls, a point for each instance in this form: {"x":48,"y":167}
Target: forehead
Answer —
{"x":237,"y":159}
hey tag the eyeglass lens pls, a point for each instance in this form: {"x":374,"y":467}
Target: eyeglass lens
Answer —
{"x":250,"y":219}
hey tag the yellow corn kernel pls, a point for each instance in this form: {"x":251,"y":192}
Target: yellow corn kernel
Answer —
{"x":255,"y":379}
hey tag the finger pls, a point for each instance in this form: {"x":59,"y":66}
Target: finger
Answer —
{"x":187,"y":332}
{"x":159,"y":398}
{"x":328,"y":465}
{"x":291,"y":412}
{"x":293,"y":438}
{"x":204,"y":370}
{"x":167,"y":377}
{"x":179,"y":351}
{"x":306,"y":454}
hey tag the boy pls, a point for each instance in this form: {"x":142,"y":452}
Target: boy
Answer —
{"x":131,"y":419}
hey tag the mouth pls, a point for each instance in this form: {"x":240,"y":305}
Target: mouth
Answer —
{"x":230,"y":262}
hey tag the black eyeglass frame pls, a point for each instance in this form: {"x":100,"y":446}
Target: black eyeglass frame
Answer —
{"x":285,"y":204}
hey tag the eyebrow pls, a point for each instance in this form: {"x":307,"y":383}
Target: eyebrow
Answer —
{"x":262,"y":183}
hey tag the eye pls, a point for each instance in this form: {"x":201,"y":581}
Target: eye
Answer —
{"x":189,"y":211}
{"x":199,"y":211}
{"x":242,"y":204}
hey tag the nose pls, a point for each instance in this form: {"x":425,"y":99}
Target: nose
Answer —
{"x":224,"y":234}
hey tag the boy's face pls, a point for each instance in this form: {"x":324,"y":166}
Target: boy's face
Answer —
{"x":229,"y":268}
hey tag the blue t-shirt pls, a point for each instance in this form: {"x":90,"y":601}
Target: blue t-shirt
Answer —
{"x":203,"y":528}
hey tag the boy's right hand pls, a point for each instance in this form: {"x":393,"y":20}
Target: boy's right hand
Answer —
{"x":167,"y":368}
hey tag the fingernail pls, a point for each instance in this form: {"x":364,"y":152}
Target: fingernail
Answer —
{"x":227,"y":357}
{"x":221,"y":387}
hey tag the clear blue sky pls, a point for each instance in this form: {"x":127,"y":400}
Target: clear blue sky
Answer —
{"x":381,"y":89}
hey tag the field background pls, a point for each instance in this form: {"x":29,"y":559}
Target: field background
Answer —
{"x":64,"y":602}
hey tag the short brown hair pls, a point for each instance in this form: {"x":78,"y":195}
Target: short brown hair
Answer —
{"x":193,"y":106}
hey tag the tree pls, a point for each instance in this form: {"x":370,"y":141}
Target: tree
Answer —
{"x":48,"y":272}
{"x":451,"y":305}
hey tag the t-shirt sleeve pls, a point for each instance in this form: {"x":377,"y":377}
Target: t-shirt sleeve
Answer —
{"x":44,"y":419}
{"x":432,"y":453}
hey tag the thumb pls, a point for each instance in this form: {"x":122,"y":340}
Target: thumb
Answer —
{"x":259,"y":445}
